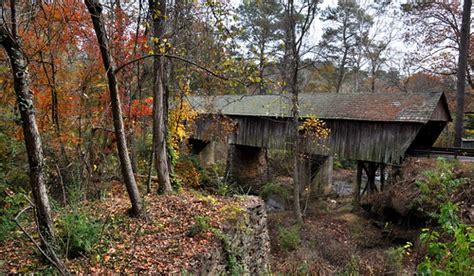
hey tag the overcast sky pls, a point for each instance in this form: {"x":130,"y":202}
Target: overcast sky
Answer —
{"x":388,"y":26}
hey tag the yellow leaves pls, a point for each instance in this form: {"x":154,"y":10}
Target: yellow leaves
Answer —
{"x":161,"y":45}
{"x":255,"y":79}
{"x":314,"y":128}
{"x":181,"y":118}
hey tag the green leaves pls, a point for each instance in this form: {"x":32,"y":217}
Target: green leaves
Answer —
{"x":79,"y":233}
{"x":9,"y":207}
{"x":289,"y":238}
{"x":448,"y":251}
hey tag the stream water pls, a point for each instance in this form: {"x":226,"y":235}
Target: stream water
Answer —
{"x":342,"y":187}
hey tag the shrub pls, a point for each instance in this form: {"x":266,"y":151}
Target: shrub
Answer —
{"x":449,"y":251}
{"x":78,"y":232}
{"x":439,"y":184}
{"x":343,"y":164}
{"x":201,"y":224}
{"x":289,"y":238}
{"x":352,"y":268}
{"x":395,"y":258}
{"x":9,"y":208}
{"x":187,"y":172}
{"x":449,"y":247}
{"x":271,"y":188}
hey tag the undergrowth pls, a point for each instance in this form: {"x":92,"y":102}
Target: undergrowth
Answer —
{"x":78,"y":232}
{"x":271,"y":188}
{"x":10,"y":205}
{"x":449,"y":247}
{"x":289,"y":238}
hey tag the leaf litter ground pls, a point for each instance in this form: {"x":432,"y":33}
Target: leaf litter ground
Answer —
{"x":157,"y":243}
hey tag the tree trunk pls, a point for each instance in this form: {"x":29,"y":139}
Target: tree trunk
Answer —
{"x":10,"y":42}
{"x":95,"y":10}
{"x":342,"y":67}
{"x":31,"y":134}
{"x":372,"y":80}
{"x":261,"y":69}
{"x":158,"y":12}
{"x":356,"y":192}
{"x":296,"y":156}
{"x":461,"y":72}
{"x":293,"y":85}
{"x":296,"y":145}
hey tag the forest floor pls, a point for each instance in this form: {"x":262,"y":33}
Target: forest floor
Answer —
{"x":157,"y":243}
{"x":333,"y":240}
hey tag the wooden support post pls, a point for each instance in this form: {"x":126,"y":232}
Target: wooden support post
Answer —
{"x":356,"y":192}
{"x":372,"y":169}
{"x":382,"y":176}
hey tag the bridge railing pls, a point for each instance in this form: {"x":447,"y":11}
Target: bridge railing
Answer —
{"x":456,"y":152}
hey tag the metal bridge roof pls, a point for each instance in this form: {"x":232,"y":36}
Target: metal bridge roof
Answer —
{"x":386,"y":107}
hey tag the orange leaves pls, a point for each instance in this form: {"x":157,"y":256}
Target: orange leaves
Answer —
{"x":141,"y":108}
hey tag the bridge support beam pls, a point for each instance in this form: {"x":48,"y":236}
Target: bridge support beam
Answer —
{"x":248,"y":166}
{"x":370,"y":170}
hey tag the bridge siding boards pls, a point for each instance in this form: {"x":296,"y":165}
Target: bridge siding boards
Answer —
{"x":440,"y":113}
{"x":382,"y":134}
{"x":381,"y":142}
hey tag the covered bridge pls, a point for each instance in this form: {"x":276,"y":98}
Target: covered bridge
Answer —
{"x":369,"y":127}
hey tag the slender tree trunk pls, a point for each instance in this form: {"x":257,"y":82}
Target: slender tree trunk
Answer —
{"x":296,"y":156}
{"x":342,"y":72}
{"x":150,"y":171}
{"x":296,"y":145}
{"x":95,"y":10}
{"x":261,"y":69}
{"x":372,"y":80}
{"x":356,"y":192}
{"x":461,"y":72}
{"x":31,"y":134}
{"x":158,"y":12}
{"x":10,"y":42}
{"x":293,"y":85}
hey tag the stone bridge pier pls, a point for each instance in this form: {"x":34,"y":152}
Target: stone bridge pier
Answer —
{"x":316,"y":173}
{"x":248,"y":166}
{"x":205,"y":151}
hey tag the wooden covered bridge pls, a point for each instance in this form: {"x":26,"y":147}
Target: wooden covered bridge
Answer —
{"x":372,"y":128}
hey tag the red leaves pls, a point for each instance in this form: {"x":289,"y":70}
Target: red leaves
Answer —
{"x":141,"y":108}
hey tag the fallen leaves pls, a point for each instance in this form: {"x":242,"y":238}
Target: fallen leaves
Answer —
{"x":157,"y":244}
